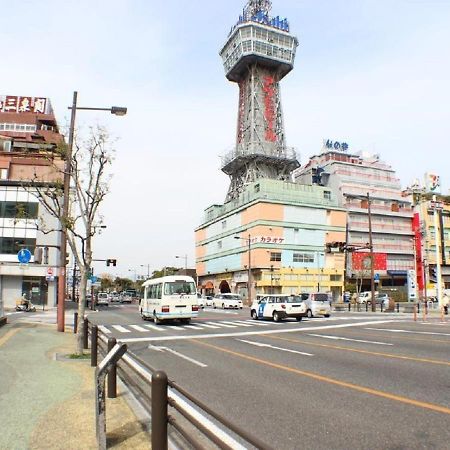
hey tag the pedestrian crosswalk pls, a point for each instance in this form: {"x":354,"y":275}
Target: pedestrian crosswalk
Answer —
{"x":196,"y":326}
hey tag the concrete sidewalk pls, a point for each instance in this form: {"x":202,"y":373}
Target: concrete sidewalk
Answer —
{"x":47,"y":401}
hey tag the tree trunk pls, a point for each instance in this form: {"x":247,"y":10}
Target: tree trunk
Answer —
{"x":81,"y":308}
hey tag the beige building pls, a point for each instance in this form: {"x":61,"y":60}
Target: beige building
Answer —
{"x":276,"y":231}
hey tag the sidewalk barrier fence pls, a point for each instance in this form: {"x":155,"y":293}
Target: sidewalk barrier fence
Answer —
{"x":190,"y":421}
{"x":112,"y":373}
{"x":100,"y":404}
{"x":85,"y":333}
{"x":94,"y":345}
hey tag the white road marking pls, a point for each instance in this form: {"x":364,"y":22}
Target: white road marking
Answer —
{"x":237,"y":323}
{"x":121,"y":328}
{"x":193,"y":327}
{"x":255,"y":322}
{"x":249,"y":323}
{"x":139,"y":328}
{"x":154,"y":327}
{"x":408,"y":331}
{"x":104,"y":329}
{"x":221,"y":311}
{"x":221,"y":324}
{"x":338,"y":338}
{"x":260,"y":344}
{"x":206,"y":325}
{"x":257,"y":333}
{"x":162,"y":349}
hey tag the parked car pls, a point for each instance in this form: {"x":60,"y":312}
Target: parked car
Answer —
{"x":201,"y":300}
{"x":317,"y":304}
{"x":227,"y":301}
{"x":278,"y":307}
{"x":365,"y":296}
{"x":209,"y":300}
{"x":103,"y":299}
{"x":381,"y":298}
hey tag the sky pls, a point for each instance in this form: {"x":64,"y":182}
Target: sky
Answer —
{"x":372,"y":73}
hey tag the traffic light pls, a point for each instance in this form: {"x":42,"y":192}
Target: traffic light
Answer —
{"x":111,"y":262}
{"x":433,"y":274}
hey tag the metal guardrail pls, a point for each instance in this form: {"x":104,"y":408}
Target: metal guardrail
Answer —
{"x":156,"y":393}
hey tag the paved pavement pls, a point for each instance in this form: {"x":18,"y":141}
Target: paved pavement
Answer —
{"x":47,"y":401}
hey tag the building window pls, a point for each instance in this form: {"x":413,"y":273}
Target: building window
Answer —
{"x":327,"y":195}
{"x":12,"y":245}
{"x":219,"y":244}
{"x":18,"y":210}
{"x":335,"y":277}
{"x":303,"y":257}
{"x":224,"y":224}
{"x":275,"y":256}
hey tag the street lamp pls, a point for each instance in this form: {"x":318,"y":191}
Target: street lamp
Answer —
{"x":148,"y":269}
{"x":134,"y":271}
{"x":185,"y":262}
{"x":249,"y":267}
{"x":118,"y":111}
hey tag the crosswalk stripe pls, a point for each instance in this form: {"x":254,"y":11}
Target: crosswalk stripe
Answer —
{"x":154,"y":327}
{"x":139,"y":328}
{"x":103,"y":329}
{"x":254,"y":322}
{"x":121,"y":328}
{"x":207,"y":326}
{"x":226,"y":324}
{"x":220,"y":325}
{"x":192,"y":327}
{"x":236,"y":323}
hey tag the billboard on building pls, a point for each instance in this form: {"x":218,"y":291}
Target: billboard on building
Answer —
{"x":19,"y":104}
{"x":361,"y":261}
{"x":433,"y":183}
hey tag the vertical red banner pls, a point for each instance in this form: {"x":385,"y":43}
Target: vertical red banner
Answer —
{"x":418,"y":252}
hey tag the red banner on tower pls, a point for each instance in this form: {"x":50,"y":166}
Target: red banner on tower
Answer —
{"x":269,"y":108}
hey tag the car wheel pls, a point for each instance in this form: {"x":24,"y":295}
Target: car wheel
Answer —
{"x":299,"y":319}
{"x":254,"y":315}
{"x":326,"y":315}
{"x":186,"y":321}
{"x":276,"y":316}
{"x":155,"y":319}
{"x":309,"y":314}
{"x":223,"y":306}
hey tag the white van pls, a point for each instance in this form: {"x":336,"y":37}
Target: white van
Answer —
{"x":169,"y":298}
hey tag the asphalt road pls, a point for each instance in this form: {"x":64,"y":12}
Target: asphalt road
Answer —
{"x":355,"y":380}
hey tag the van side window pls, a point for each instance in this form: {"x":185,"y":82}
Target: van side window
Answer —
{"x":158,"y":290}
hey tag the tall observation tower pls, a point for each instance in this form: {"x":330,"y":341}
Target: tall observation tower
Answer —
{"x":258,"y":53}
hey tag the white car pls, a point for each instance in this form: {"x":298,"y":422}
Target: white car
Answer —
{"x":209,"y":301}
{"x":201,"y":300}
{"x":278,"y":307}
{"x":227,"y":301}
{"x":317,"y":304}
{"x":103,"y":298}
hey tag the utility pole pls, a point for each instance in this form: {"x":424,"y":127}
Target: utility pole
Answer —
{"x":74,"y":278}
{"x":372,"y":268}
{"x":437,"y":253}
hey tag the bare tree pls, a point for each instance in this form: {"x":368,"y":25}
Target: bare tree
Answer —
{"x":89,"y":186}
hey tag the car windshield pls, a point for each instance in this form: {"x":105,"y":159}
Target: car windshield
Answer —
{"x":232,"y":297}
{"x":179,"y":287}
{"x":320,"y":297}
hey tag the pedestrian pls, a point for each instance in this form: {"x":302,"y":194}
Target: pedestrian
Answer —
{"x":445,"y":302}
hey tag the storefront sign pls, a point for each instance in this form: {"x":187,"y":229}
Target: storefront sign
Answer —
{"x":361,"y":261}
{"x":433,"y":183}
{"x":266,"y":240}
{"x":17,"y":104}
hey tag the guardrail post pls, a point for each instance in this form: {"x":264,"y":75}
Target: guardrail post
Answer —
{"x":367,"y":306}
{"x":100,"y":404}
{"x":349,"y":306}
{"x":381,"y":306}
{"x":418,"y":307}
{"x":75,"y":322}
{"x":398,"y":307}
{"x":94,"y":345}
{"x":159,"y":410}
{"x":85,"y":333}
{"x":112,"y":374}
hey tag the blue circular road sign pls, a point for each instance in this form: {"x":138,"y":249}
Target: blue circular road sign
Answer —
{"x":24,"y":256}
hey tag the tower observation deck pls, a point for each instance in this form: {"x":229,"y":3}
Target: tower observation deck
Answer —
{"x":258,"y":53}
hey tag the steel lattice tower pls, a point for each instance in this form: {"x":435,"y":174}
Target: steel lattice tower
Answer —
{"x":258,"y":53}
